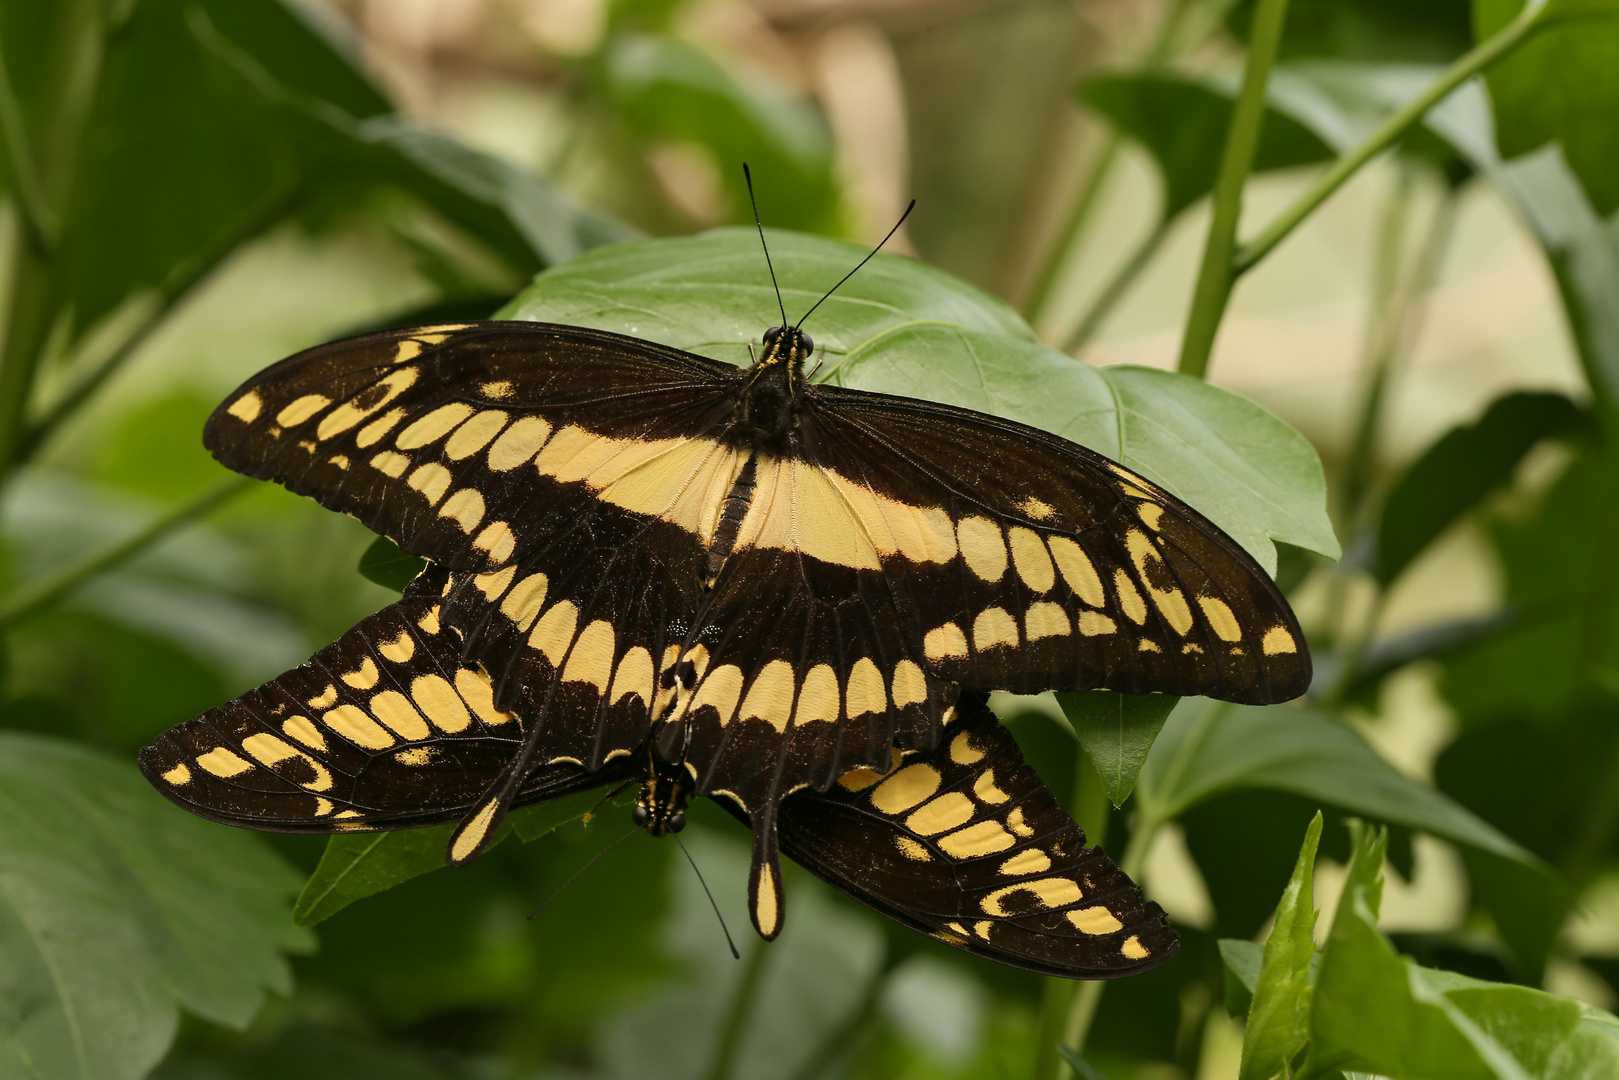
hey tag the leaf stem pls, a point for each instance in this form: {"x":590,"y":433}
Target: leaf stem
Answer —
{"x":1114,"y":291}
{"x":736,"y":1015}
{"x":1242,"y":141}
{"x":45,"y":592}
{"x":1476,"y":60}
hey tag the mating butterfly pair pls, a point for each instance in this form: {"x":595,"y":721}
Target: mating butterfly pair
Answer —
{"x":647,"y":565}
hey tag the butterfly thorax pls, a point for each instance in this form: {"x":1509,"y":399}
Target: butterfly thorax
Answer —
{"x":661,"y":804}
{"x":773,"y":394}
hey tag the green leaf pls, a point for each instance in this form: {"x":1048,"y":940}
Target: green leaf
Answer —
{"x":1182,"y":123}
{"x":1210,"y":747}
{"x":1279,"y":1018}
{"x":1457,"y":471}
{"x":1117,"y":731}
{"x":357,"y":865}
{"x":117,"y":910}
{"x":1562,"y":85}
{"x":1078,"y":1062}
{"x":669,"y":89}
{"x":902,"y":327}
{"x":384,"y":563}
{"x":1434,"y":31}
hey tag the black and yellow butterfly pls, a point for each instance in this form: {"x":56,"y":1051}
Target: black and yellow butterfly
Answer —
{"x":733,"y":583}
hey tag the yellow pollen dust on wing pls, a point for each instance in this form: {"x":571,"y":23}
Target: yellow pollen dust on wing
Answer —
{"x":1278,"y":641}
{"x":554,"y":631}
{"x":770,"y":695}
{"x":500,"y":390}
{"x":1026,"y":862}
{"x":1051,"y":892}
{"x":1045,"y":619}
{"x":1220,"y":617}
{"x":982,"y":547}
{"x":945,"y":812}
{"x":497,"y":541}
{"x":391,"y":464}
{"x":906,"y":788}
{"x":1095,"y":920}
{"x":247,"y":407}
{"x":300,"y":728}
{"x":1133,"y":949}
{"x":302,"y":409}
{"x":1078,"y":570}
{"x":634,"y":676}
{"x":865,"y":692}
{"x":179,"y":775}
{"x":912,"y":850}
{"x":963,"y":752}
{"x":518,"y":443}
{"x":1130,"y":601}
{"x":909,"y":686}
{"x":398,"y":715}
{"x":352,"y":722}
{"x":994,"y":627}
{"x":1030,"y":559}
{"x":976,"y":840}
{"x":465,"y":508}
{"x":223,"y":763}
{"x":432,"y":481}
{"x":373,"y":432}
{"x":1038,"y":509}
{"x":984,"y":787}
{"x":524,"y":602}
{"x":943,"y":643}
{"x":591,"y":659}
{"x":475,"y":434}
{"x":818,"y":697}
{"x":415,"y":756}
{"x":1168,"y":599}
{"x":400,"y":649}
{"x":478,"y":692}
{"x":363,"y":677}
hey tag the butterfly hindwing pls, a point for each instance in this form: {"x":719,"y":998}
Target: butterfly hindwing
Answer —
{"x":965,"y":844}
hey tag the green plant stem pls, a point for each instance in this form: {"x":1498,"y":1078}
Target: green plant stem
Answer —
{"x":736,"y":1015}
{"x":1242,"y":141}
{"x":1114,"y":291}
{"x":1476,"y":60}
{"x":1034,"y":308}
{"x":40,"y":595}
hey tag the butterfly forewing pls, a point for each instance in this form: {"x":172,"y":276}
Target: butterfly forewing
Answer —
{"x":967,"y":845}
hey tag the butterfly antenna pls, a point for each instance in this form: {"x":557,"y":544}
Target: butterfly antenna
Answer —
{"x":603,"y":801}
{"x":863,"y":262}
{"x":541,"y":910}
{"x":727,"y":930}
{"x":748,"y":176}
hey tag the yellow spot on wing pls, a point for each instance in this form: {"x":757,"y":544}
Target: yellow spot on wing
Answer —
{"x":552,"y":634}
{"x":429,"y":622}
{"x":994,"y":627}
{"x":366,"y":402}
{"x":865,"y":692}
{"x":1147,"y":645}
{"x":942,"y":643}
{"x":1030,"y":558}
{"x":399,"y":716}
{"x":523,"y":603}
{"x":1133,"y":949}
{"x":1096,"y":920}
{"x":1093,"y":623}
{"x":720,"y":688}
{"x":302,"y":409}
{"x":497,"y":540}
{"x":518,"y":443}
{"x":909,"y":685}
{"x":299,"y":727}
{"x":963,"y":752}
{"x":494,"y":584}
{"x":351,"y":722}
{"x":435,"y":425}
{"x":325,"y":699}
{"x":1169,"y":600}
{"x":818,"y":698}
{"x":247,"y":407}
{"x":269,"y":751}
{"x":478,"y":692}
{"x":363,"y":677}
{"x":1045,"y":619}
{"x":1078,"y":571}
{"x":1051,"y":892}
{"x":1151,"y":514}
{"x":980,"y":838}
{"x":391,"y":464}
{"x":373,"y":432}
{"x":946,"y":812}
{"x":591,"y":660}
{"x":465,"y":508}
{"x":438,"y":700}
{"x":1036,"y":508}
{"x":432,"y":481}
{"x":982,"y":547}
{"x":634,"y":676}
{"x":912,"y":850}
{"x":1278,"y":641}
{"x":1014,"y":821}
{"x":1129,"y":599}
{"x":180,"y":774}
{"x":1028,"y":861}
{"x":475,"y":434}
{"x":905,"y":788}
{"x":400,"y":649}
{"x":984,"y":787}
{"x":770,"y":695}
{"x":859,"y":779}
{"x":1219,"y":614}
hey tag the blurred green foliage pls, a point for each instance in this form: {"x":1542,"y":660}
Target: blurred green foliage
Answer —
{"x":150,"y":145}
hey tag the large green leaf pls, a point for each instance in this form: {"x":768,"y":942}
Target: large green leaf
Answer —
{"x":1562,"y":85}
{"x":117,"y":910}
{"x":1117,"y":731}
{"x":1209,"y":747}
{"x":1182,"y":122}
{"x":1279,"y":1018}
{"x":902,"y":327}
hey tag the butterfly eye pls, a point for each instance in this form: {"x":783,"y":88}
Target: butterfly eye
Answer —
{"x":772,"y":335}
{"x":639,"y":816}
{"x":676,"y":822}
{"x":806,"y":342}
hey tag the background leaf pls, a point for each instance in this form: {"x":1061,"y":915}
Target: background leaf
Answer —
{"x":388,"y":566}
{"x":1279,"y":1018}
{"x":115,"y":912}
{"x":1117,"y":731}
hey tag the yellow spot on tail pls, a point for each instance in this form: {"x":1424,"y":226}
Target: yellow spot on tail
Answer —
{"x":1097,"y":920}
{"x":1051,"y":892}
{"x":980,"y":838}
{"x":223,"y":763}
{"x":906,"y":788}
{"x":909,"y":686}
{"x":180,"y":774}
{"x":982,"y":547}
{"x":994,"y":627}
{"x":946,"y":812}
{"x":247,"y":407}
{"x":470,"y":835}
{"x":766,"y":906}
{"x":302,"y":409}
{"x":1133,"y":949}
{"x":1278,"y":641}
{"x":963,"y":752}
{"x":943,"y":643}
{"x":1078,"y":571}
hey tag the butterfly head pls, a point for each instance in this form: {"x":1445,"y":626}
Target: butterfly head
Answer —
{"x":787,"y":344}
{"x":660,"y":808}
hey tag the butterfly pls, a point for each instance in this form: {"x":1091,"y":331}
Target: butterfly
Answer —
{"x":734,"y":583}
